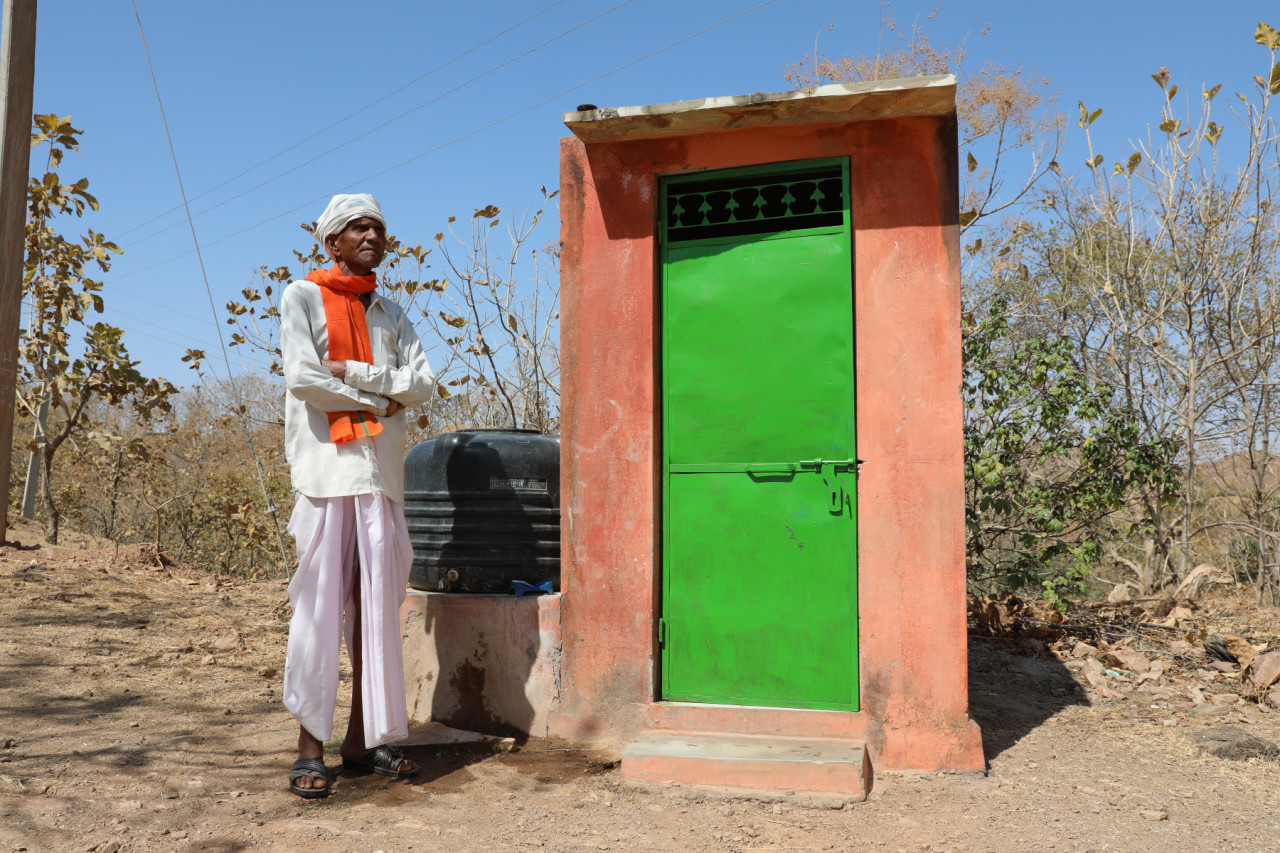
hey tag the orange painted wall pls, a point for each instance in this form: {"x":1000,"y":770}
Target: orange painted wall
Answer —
{"x":913,"y":653}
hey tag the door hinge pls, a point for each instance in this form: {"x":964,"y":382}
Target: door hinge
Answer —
{"x":662,"y":632}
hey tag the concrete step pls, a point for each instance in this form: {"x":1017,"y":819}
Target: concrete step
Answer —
{"x":754,"y":720}
{"x":820,"y":765}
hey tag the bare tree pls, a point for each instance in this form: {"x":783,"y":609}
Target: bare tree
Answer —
{"x":494,"y":313}
{"x":1161,"y":267}
{"x":499,"y":315}
{"x":1009,"y":126}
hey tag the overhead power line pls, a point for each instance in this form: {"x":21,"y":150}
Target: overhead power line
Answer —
{"x":170,"y":308}
{"x":342,"y":120}
{"x":313,"y":201}
{"x":190,"y":340}
{"x":257,"y":460}
{"x":350,"y":116}
{"x":393,"y":120}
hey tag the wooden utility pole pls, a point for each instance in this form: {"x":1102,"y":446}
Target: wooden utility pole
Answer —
{"x":17,"y":75}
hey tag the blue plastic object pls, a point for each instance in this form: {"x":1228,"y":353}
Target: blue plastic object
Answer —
{"x":521,"y":588}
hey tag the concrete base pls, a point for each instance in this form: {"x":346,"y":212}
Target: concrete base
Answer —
{"x":745,"y":761}
{"x":486,"y":663}
{"x":745,"y":746}
{"x":754,"y":720}
{"x":440,"y":735}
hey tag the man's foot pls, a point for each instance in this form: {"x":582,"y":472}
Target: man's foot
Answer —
{"x":384,"y":760}
{"x":309,"y":779}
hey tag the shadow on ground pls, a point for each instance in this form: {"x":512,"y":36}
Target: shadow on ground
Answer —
{"x":1011,"y":693}
{"x":538,"y":765}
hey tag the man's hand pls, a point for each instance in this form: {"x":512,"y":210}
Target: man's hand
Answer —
{"x":339,"y":371}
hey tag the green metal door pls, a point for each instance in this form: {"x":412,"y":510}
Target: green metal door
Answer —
{"x":759,"y":531}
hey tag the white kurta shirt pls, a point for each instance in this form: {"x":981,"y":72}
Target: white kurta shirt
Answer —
{"x":320,"y":468}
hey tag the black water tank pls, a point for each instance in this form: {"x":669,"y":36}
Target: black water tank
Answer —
{"x":483,"y":509}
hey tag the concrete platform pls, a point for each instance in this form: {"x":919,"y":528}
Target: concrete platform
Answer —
{"x":438,"y":734}
{"x":754,"y":720}
{"x":483,"y":663}
{"x":823,"y":765}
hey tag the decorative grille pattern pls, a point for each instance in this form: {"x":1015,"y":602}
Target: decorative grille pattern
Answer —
{"x":755,"y":204}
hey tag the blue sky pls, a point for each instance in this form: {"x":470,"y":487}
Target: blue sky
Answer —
{"x":243,"y":81}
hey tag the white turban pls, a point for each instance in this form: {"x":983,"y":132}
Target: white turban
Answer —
{"x":344,"y":209}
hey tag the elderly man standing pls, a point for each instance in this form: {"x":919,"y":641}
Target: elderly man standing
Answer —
{"x":352,"y":364}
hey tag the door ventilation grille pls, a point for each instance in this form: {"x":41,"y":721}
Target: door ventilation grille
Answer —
{"x":757,"y":204}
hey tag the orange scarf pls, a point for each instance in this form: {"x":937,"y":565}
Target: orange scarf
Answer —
{"x":348,"y":341}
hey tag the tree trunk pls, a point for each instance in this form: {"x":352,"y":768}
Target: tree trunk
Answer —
{"x":1266,"y":578}
{"x":51,"y":515}
{"x":1150,"y":571}
{"x":1188,"y":494}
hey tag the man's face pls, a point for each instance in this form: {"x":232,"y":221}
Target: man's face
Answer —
{"x":358,"y":248}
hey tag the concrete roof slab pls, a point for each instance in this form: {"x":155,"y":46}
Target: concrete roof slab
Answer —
{"x":838,"y":102}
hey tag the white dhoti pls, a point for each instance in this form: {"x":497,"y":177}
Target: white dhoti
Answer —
{"x":337,"y":537}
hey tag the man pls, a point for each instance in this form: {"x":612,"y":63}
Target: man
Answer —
{"x":352,"y":364}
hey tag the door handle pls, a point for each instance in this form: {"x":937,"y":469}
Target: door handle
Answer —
{"x":837,"y":502}
{"x":837,"y":465}
{"x":773,"y":467}
{"x":815,"y":465}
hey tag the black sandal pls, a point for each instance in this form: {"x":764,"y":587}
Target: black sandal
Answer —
{"x":383,"y":760}
{"x":313,"y":769}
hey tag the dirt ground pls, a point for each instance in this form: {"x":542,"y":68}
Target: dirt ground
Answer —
{"x":140,"y":711}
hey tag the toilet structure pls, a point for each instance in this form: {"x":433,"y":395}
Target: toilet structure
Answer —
{"x":762,"y":478}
